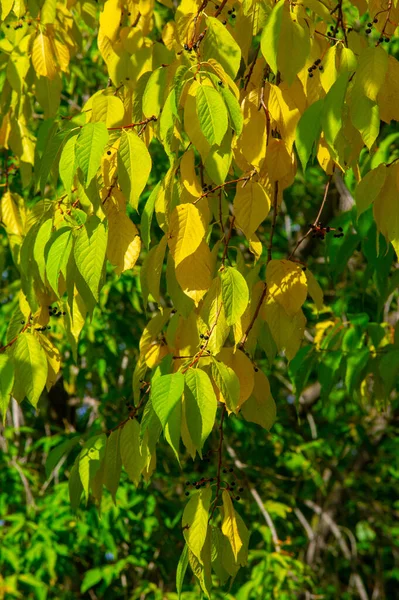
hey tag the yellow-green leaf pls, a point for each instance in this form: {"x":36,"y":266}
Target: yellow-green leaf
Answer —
{"x":186,"y":231}
{"x":134,"y":166}
{"x":195,"y":521}
{"x":235,"y":294}
{"x":212,"y":114}
{"x":30,"y":365}
{"x":287,"y":285}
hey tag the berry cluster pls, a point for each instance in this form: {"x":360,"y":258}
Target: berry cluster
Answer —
{"x":207,"y":188}
{"x":320,"y":232}
{"x":316,"y":65}
{"x":55,"y":312}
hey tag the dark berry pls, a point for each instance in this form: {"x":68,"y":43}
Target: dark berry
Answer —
{"x":310,"y":69}
{"x":387,"y":40}
{"x":233,"y":483}
{"x":127,"y":78}
{"x":129,"y":14}
{"x":321,"y":68}
{"x":368,"y":30}
{"x":187,"y":493}
{"x":329,"y":33}
{"x":303,"y":268}
{"x":49,"y":327}
{"x":220,"y":82}
{"x":375,"y":20}
{"x":240,"y":489}
{"x":224,"y":22}
{"x":224,"y":470}
{"x":233,"y":16}
{"x":109,"y":152}
{"x":211,"y":479}
{"x":369,"y":24}
{"x":229,"y":12}
{"x":186,"y":46}
{"x":256,"y":369}
{"x":201,"y":336}
{"x":340,"y":229}
{"x":318,"y":61}
{"x":197,"y":487}
{"x":310,"y":74}
{"x":237,"y":497}
{"x":22,"y":322}
{"x":231,"y":470}
{"x":64,"y":313}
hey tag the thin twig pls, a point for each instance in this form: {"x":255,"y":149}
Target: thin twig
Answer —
{"x":144,"y":122}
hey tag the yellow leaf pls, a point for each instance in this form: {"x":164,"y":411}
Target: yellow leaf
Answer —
{"x":287,"y":284}
{"x":287,"y":331}
{"x":10,"y":214}
{"x":251,"y":206}
{"x":329,"y":74}
{"x":242,"y":367}
{"x":155,"y":353}
{"x":107,"y":109}
{"x":252,"y":141}
{"x":186,"y":232}
{"x":371,"y":71}
{"x":186,"y":339}
{"x":279,"y":162}
{"x":53,"y":360}
{"x":260,"y":408}
{"x":124,"y":243}
{"x":188,"y":176}
{"x":43,"y":58}
{"x":314,"y":290}
{"x":229,"y":525}
{"x":194,"y":273}
{"x":62,"y":53}
{"x":389,"y":93}
{"x":110,"y":19}
{"x":195,"y":520}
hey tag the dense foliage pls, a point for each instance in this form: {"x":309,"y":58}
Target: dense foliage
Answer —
{"x":199,"y":341}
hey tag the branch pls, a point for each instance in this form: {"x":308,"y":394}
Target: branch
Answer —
{"x":145,"y":122}
{"x":218,"y":187}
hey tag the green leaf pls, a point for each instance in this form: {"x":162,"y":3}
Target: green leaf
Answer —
{"x":91,"y":578}
{"x":389,"y":369}
{"x":227,"y":382}
{"x":6,"y":383}
{"x":270,"y":39}
{"x":355,"y":365}
{"x":59,"y":452}
{"x":235,"y":294}
{"x":57,"y":253}
{"x":166,"y":391}
{"x":133,"y":458}
{"x":195,"y":521}
{"x":51,"y":153}
{"x":154,"y":93}
{"x":134,"y":166}
{"x":218,"y":160}
{"x":233,"y":108}
{"x":89,"y":460}
{"x":90,"y":145}
{"x":331,"y":116}
{"x":181,"y":571}
{"x":89,"y":252}
{"x":68,"y":166}
{"x":30,"y":365}
{"x":173,"y":428}
{"x":220,"y":45}
{"x":42,"y":238}
{"x":112,"y":463}
{"x":308,"y":132}
{"x":147,"y":214}
{"x":201,"y":404}
{"x":75,"y":487}
{"x":212,"y":114}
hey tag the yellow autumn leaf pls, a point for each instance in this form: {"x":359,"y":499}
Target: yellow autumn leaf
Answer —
{"x":242,"y":367}
{"x":154,"y":354}
{"x":287,"y":284}
{"x":371,"y":71}
{"x":10,"y":214}
{"x":278,"y":162}
{"x":260,"y":408}
{"x":389,"y":93}
{"x":124,"y":243}
{"x":287,"y":331}
{"x":251,"y":206}
{"x":43,"y":59}
{"x":252,"y":141}
{"x":314,"y":290}
{"x":53,"y":360}
{"x":187,"y":173}
{"x":229,"y":524}
{"x":186,"y":231}
{"x":194,"y":273}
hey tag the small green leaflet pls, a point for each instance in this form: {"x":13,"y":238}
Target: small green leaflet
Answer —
{"x":235,"y":294}
{"x":89,"y":252}
{"x":57,"y":453}
{"x":201,"y":404}
{"x":6,"y":383}
{"x":166,"y":391}
{"x":134,"y":166}
{"x":212,"y":114}
{"x":30,"y":365}
{"x":308,"y":132}
{"x":89,"y":460}
{"x":112,"y":463}
{"x":57,"y":253}
{"x":90,"y":145}
{"x":181,"y":571}
{"x":67,"y":166}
